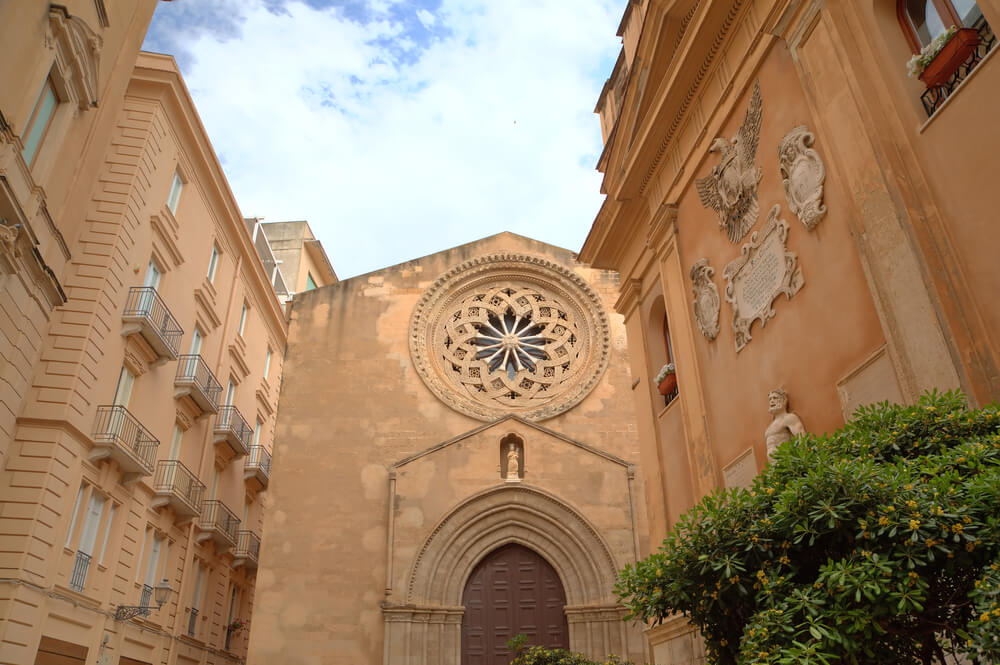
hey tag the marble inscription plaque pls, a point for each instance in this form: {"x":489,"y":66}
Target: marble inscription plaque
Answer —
{"x":741,"y":471}
{"x":764,"y":269}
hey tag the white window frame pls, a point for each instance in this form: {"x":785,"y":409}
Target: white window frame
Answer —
{"x":107,"y":534}
{"x":174,"y":197}
{"x":267,"y":362}
{"x":243,"y":319}
{"x":213,"y":263}
{"x":76,"y":514}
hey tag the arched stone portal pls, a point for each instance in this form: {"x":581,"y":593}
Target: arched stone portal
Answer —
{"x":427,"y":627}
{"x":511,"y":591}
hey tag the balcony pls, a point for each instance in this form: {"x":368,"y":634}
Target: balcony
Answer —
{"x":232,"y":430}
{"x":257,"y":470}
{"x":218,"y":523}
{"x":81,"y":564}
{"x":176,"y":486}
{"x":145,"y":314}
{"x":247,"y":550}
{"x":120,"y":436}
{"x":195,"y":380}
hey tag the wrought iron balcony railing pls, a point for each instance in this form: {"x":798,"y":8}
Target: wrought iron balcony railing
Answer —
{"x":81,"y":564}
{"x":119,"y":435}
{"x":174,"y":484}
{"x":196,"y":380}
{"x":218,"y":523}
{"x":258,"y":466}
{"x":145,"y":313}
{"x":247,"y":549}
{"x":193,"y":621}
{"x":232,"y":428}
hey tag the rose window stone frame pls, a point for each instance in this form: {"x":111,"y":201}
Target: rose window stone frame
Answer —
{"x":510,"y":333}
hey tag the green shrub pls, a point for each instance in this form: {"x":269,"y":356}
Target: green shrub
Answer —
{"x":528,"y":655}
{"x":877,"y":544}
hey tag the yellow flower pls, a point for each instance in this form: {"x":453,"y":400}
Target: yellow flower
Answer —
{"x":914,"y":525}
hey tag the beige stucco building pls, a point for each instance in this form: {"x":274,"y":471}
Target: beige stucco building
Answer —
{"x":456,"y":464}
{"x":141,"y":350}
{"x":770,"y":162}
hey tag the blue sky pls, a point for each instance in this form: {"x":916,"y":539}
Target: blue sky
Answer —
{"x":398,"y":128}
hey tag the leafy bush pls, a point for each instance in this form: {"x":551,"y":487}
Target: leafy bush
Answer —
{"x":877,"y":544}
{"x":526,"y":655}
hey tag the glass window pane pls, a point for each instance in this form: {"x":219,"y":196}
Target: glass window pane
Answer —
{"x":968,"y":12}
{"x":39,"y":122}
{"x":925,"y":20}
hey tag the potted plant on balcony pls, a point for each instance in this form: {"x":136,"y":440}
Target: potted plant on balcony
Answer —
{"x":667,"y":379}
{"x":236,"y":626}
{"x":937,"y":61}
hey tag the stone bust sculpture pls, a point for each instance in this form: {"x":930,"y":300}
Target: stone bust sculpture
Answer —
{"x":513,"y":465}
{"x":784,"y":424}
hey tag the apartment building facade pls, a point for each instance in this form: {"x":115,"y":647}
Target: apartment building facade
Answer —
{"x":798,"y":225}
{"x":299,"y":256}
{"x":142,"y":353}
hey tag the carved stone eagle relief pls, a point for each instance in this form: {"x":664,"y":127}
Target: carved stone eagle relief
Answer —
{"x":731,"y":188}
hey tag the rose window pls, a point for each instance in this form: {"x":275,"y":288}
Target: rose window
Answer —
{"x":504,"y":341}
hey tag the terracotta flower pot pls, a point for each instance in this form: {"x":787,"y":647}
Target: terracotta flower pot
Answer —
{"x":669,"y":384}
{"x":950,"y":58}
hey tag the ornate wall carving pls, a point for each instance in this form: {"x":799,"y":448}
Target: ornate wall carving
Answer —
{"x":509,"y":333}
{"x":764,"y":270}
{"x":802,"y":174}
{"x":706,"y":298}
{"x":731,"y":188}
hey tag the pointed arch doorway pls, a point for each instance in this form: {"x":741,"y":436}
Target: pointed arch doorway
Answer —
{"x":512,"y":590}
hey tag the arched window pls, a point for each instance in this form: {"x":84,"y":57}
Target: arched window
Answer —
{"x":923,"y":20}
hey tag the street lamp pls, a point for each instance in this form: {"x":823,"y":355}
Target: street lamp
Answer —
{"x":161,"y":592}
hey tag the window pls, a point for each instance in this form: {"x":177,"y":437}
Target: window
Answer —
{"x":123,"y":393}
{"x":76,"y":514}
{"x":107,"y":534}
{"x":230,"y":393}
{"x":267,"y":362}
{"x":39,"y":121}
{"x":175,"y":192}
{"x":154,"y":560}
{"x":310,"y":282}
{"x":175,"y":442}
{"x":196,"y":340}
{"x":213,"y":263}
{"x":243,"y":320}
{"x":153,"y":275}
{"x":923,"y":20}
{"x":256,"y":434}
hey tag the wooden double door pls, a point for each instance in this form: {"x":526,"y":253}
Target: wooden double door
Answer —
{"x":513,"y":590}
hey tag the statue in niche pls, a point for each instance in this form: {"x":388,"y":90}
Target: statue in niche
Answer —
{"x":511,"y":458}
{"x":784,"y":423}
{"x":513,"y":465}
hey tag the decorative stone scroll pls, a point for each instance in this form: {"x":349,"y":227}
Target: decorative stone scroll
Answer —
{"x":706,"y":298}
{"x":802,"y":174}
{"x":731,"y":188}
{"x":510,"y":333}
{"x":764,"y":270}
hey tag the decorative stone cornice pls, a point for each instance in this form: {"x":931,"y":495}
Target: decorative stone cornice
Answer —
{"x":78,"y":54}
{"x":629,"y":294}
{"x":662,"y":228}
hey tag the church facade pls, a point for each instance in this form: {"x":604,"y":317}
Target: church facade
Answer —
{"x":457,"y":465}
{"x":800,"y":226}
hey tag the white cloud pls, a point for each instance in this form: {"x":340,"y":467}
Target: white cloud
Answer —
{"x":426,"y":18}
{"x":397,"y":139}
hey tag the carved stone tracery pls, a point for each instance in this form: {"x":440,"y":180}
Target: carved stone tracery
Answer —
{"x":706,"y":298}
{"x":802,"y":174}
{"x":764,"y":270}
{"x":510,"y":333}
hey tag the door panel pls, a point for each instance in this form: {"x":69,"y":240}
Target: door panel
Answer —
{"x":513,"y":590}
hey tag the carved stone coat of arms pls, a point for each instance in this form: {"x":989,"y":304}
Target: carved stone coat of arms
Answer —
{"x":802,"y":174}
{"x":731,"y":188}
{"x":706,"y":298}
